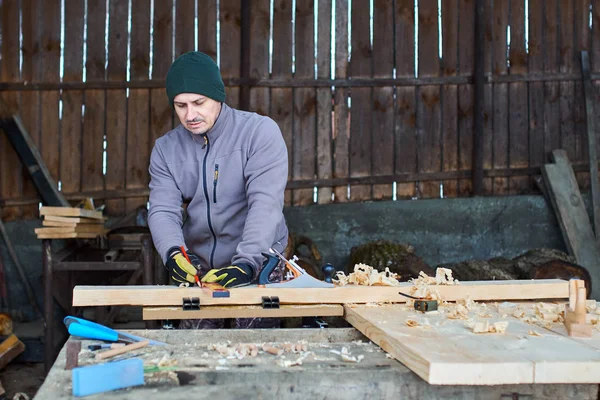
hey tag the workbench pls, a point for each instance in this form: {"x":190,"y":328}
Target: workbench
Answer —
{"x":205,"y":373}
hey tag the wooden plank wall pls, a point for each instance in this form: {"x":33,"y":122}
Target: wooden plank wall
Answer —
{"x":317,"y":70}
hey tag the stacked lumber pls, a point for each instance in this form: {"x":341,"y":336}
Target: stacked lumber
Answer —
{"x":70,"y":222}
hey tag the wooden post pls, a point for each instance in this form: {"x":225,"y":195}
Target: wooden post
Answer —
{"x":478,"y":99}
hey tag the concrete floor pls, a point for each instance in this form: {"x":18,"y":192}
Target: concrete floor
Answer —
{"x":22,"y":378}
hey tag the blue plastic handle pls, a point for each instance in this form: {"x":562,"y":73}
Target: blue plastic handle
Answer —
{"x":90,"y":330}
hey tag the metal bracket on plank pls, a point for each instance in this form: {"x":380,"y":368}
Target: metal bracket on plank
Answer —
{"x":270,"y":302}
{"x":191,"y":303}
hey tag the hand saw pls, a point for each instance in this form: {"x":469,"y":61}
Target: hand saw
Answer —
{"x":295,"y":276}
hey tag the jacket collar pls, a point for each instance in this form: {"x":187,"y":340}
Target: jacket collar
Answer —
{"x":218,"y":128}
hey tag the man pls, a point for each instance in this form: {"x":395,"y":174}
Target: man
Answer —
{"x":231,"y":168}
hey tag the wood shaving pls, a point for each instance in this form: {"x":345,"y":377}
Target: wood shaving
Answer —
{"x":366,"y":275}
{"x":534,"y":333}
{"x":184,"y":284}
{"x":282,"y":362}
{"x":424,"y":285}
{"x":412,"y":323}
{"x":486,"y":327}
{"x":346,"y":356}
{"x":591,"y":305}
{"x":299,"y":347}
{"x":238,"y":351}
{"x":457,"y":311}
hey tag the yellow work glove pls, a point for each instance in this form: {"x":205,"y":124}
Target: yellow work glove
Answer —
{"x":179,"y":268}
{"x":233,"y":275}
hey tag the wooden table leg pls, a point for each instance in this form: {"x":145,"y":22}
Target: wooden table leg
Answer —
{"x":48,"y":304}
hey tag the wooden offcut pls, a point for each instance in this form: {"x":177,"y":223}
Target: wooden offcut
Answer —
{"x":70,"y":212}
{"x":322,"y":310}
{"x":571,"y":214}
{"x":10,"y":348}
{"x":122,"y":350}
{"x":172,"y":296}
{"x":71,"y":235}
{"x":80,"y":228}
{"x":575,"y":311}
{"x":73,"y":220}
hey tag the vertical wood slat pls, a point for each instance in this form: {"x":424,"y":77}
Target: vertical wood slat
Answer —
{"x":466,"y":58}
{"x":11,"y":179}
{"x":500,"y":95}
{"x":207,"y":27}
{"x":161,"y":112}
{"x":138,"y":106}
{"x":116,"y":105}
{"x":230,"y":16}
{"x":536,"y":89}
{"x":70,"y":125}
{"x":581,"y":39}
{"x":518,"y":122}
{"x":595,"y":58}
{"x":383,"y":98}
{"x":428,"y":98}
{"x":184,"y":26}
{"x":281,"y":98}
{"x":341,"y":127}
{"x":304,"y":119}
{"x":449,"y":67}
{"x":568,"y":137}
{"x":30,"y":100}
{"x":406,"y":108}
{"x":361,"y":66}
{"x":259,"y":54}
{"x":488,"y":92}
{"x":551,"y":89}
{"x":324,"y":101}
{"x":95,"y":101}
{"x":50,"y":72}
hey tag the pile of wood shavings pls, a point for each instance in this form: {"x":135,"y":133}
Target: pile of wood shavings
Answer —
{"x":367,"y":276}
{"x":424,"y":285}
{"x":346,"y":356}
{"x":486,"y":327}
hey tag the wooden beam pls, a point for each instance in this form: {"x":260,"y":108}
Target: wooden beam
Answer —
{"x":172,"y":296}
{"x":70,"y":212}
{"x":321,"y":310}
{"x":73,"y":220}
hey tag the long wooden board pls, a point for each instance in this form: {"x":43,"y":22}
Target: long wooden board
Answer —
{"x":446,"y":352}
{"x":73,"y":235}
{"x":172,"y":296}
{"x":321,"y":310}
{"x":70,"y":212}
{"x":73,"y":220}
{"x":79,"y":228}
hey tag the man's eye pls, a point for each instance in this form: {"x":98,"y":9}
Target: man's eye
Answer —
{"x":198,"y":103}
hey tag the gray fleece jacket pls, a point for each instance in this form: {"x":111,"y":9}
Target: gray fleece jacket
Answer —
{"x":234,"y":179}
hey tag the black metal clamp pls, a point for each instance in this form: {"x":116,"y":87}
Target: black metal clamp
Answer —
{"x":270,"y":302}
{"x":191,"y":303}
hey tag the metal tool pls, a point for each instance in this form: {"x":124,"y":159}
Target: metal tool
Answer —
{"x":295,"y":276}
{"x":91,"y":330}
{"x":423,"y":305}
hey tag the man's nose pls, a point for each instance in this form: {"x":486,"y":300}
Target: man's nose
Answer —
{"x":190,"y":114}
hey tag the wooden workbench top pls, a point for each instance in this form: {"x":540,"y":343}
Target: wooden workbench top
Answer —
{"x":205,"y":373}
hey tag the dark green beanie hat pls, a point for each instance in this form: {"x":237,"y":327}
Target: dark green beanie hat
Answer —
{"x":195,"y":72}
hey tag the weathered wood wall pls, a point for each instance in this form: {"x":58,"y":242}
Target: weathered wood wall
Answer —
{"x":362,"y":118}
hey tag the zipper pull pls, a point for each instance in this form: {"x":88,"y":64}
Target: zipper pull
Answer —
{"x":205,"y":137}
{"x":216,"y":178}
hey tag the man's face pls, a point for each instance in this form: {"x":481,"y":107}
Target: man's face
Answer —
{"x":196,"y":112}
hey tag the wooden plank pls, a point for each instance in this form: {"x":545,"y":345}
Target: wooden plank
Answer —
{"x":449,"y":353}
{"x":84,"y":296}
{"x":449,"y":67}
{"x":259,"y":55}
{"x":11,"y":179}
{"x":592,"y":145}
{"x":500,"y":95}
{"x":582,"y":36}
{"x":406,"y":117}
{"x":324,"y":101}
{"x":73,"y":220}
{"x":94,"y":121}
{"x":536,"y":89}
{"x":70,"y":124}
{"x":184,"y":27}
{"x":572,"y":216}
{"x":466,"y":61}
{"x":282,"y":98}
{"x":518,"y":121}
{"x":595,"y":36}
{"x":207,"y":28}
{"x":322,"y":310}
{"x":230,"y":17}
{"x":382,"y":158}
{"x":361,"y":66}
{"x":488,"y":121}
{"x":305,"y":104}
{"x":341,"y":127}
{"x":10,"y":348}
{"x":551,"y":89}
{"x":428,"y":99}
{"x":29,"y":109}
{"x":70,"y":212}
{"x":568,"y":137}
{"x":76,"y":235}
{"x":138,"y":107}
{"x":47,"y":222}
{"x":79,"y":228}
{"x":49,"y":72}
{"x":116,"y":105}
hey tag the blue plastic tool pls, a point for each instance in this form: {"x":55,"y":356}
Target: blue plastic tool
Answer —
{"x":108,"y":376}
{"x":91,"y":330}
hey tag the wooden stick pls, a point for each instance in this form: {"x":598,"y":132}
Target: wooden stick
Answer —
{"x":125,"y":349}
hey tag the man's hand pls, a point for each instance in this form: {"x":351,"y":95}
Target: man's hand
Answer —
{"x":180,"y":269}
{"x":234,"y":275}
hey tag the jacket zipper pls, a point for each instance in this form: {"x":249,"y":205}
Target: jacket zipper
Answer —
{"x":205,"y":185}
{"x":216,"y":178}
